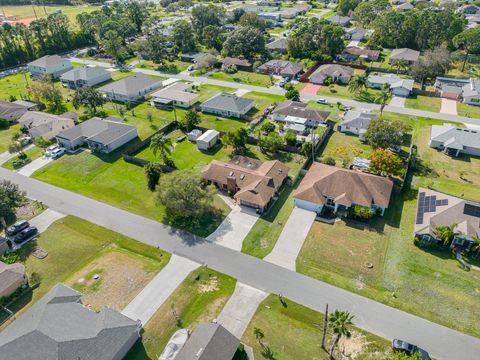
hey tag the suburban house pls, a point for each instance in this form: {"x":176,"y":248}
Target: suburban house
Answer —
{"x":59,"y":326}
{"x":228,"y":105}
{"x":356,"y":34}
{"x":101,"y":135}
{"x":207,"y":140}
{"x":178,"y":94}
{"x":284,"y":68}
{"x":47,"y":126}
{"x":326,"y":186}
{"x":405,"y":7}
{"x":252,"y":183}
{"x":11,"y":111}
{"x":192,"y":57}
{"x":468,"y":9}
{"x":340,"y":20}
{"x":404,"y":54}
{"x":53,"y":65}
{"x":454,"y":141}
{"x":274,"y":17}
{"x":12,"y":276}
{"x":85,"y":76}
{"x":399,"y":86}
{"x":356,"y":122}
{"x":471,"y":92}
{"x":352,"y":53}
{"x":241,"y":64}
{"x":438,"y":209}
{"x":278,"y":45}
{"x":131,"y":88}
{"x":209,"y":341}
{"x":450,"y":88}
{"x":297,"y":116}
{"x":29,"y":105}
{"x":338,"y":73}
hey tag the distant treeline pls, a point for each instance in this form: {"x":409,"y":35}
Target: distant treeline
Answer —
{"x":35,"y":2}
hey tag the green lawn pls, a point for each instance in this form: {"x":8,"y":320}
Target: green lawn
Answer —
{"x":244,"y":77}
{"x":14,"y":85}
{"x":428,"y":103}
{"x":148,"y":64}
{"x":468,"y":110}
{"x":341,"y":91}
{"x":200,"y":297}
{"x":27,"y":12}
{"x":335,"y":112}
{"x":6,"y":137}
{"x":303,"y":327}
{"x":73,"y":236}
{"x":207,"y":91}
{"x":262,"y":101}
{"x":32,"y":153}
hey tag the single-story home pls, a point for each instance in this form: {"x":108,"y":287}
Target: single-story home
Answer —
{"x":356,"y":34}
{"x":53,"y":65}
{"x":102,"y":135}
{"x":338,"y":73}
{"x":405,"y":7}
{"x":252,"y":182}
{"x":47,"y":126}
{"x":131,"y":88}
{"x":228,"y":105}
{"x":405,"y":54}
{"x":11,"y":111}
{"x":284,"y":68}
{"x":278,"y":45}
{"x":59,"y":326}
{"x":454,"y":141}
{"x":29,"y":105}
{"x":352,"y":53}
{"x":439,"y":209}
{"x":241,"y":64}
{"x":468,"y":9}
{"x":450,"y":88}
{"x":297,"y":112}
{"x":471,"y":92}
{"x":356,"y":122}
{"x":85,"y":76}
{"x":178,"y":94}
{"x":340,"y":20}
{"x":209,"y":341}
{"x":339,"y":189}
{"x":12,"y":277}
{"x":275,"y":17}
{"x":207,"y":140}
{"x":192,"y":57}
{"x":399,"y":86}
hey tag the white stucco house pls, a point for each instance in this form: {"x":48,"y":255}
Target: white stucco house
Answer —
{"x":227,"y":105}
{"x":471,"y":92}
{"x":131,"y":88}
{"x":53,"y":65}
{"x":85,"y":76}
{"x":356,"y":122}
{"x":454,"y":141}
{"x":400,"y":86}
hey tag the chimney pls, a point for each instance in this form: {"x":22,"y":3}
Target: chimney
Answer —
{"x":232,"y":184}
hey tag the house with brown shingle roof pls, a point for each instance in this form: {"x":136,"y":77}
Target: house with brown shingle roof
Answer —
{"x":252,"y":182}
{"x":11,"y":111}
{"x":340,"y":189}
{"x":11,"y":278}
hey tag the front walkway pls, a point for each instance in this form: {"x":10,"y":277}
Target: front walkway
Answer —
{"x":449,"y":106}
{"x":35,"y":165}
{"x":398,"y":101}
{"x":291,"y":239}
{"x":149,"y":300}
{"x":240,"y":308}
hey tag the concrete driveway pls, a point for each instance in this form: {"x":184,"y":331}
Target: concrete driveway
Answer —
{"x":449,"y":106}
{"x":149,"y":300}
{"x":35,"y":165}
{"x":45,"y":219}
{"x":398,"y":101}
{"x":291,"y":239}
{"x":240,"y":308}
{"x":234,"y":228}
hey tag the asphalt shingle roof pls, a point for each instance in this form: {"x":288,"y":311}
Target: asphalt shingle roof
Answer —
{"x":228,"y":102}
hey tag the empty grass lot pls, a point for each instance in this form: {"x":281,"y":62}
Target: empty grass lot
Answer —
{"x":341,"y":91}
{"x":245,"y":77}
{"x":27,"y":14}
{"x":427,"y":103}
{"x":200,"y":297}
{"x":148,"y":64}
{"x":262,"y":101}
{"x":293,"y":321}
{"x":72,"y":244}
{"x":468,"y":110}
{"x":6,"y":136}
{"x":14,"y":85}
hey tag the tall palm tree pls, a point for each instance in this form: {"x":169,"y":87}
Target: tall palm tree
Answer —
{"x":339,"y":322}
{"x":383,"y":97}
{"x":445,"y":233}
{"x":358,"y":84}
{"x":161,"y":144}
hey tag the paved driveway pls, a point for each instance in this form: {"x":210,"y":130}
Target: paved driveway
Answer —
{"x":291,"y":239}
{"x":36,"y":164}
{"x":234,"y":228}
{"x":149,"y":300}
{"x":449,"y":106}
{"x":240,"y":308}
{"x":398,"y":101}
{"x":45,"y":219}
{"x":310,"y":89}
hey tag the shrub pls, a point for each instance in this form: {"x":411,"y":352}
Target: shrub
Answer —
{"x":229,"y":68}
{"x":361,"y":213}
{"x":4,"y":124}
{"x":267,"y":127}
{"x":329,"y":161}
{"x":9,"y":258}
{"x":290,"y":138}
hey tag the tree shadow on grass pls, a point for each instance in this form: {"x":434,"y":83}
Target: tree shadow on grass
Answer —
{"x":267,"y":353}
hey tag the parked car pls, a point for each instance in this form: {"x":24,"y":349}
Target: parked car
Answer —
{"x":282,"y":83}
{"x":17,"y":227}
{"x":410,"y":349}
{"x":322,"y":101}
{"x":191,"y":68}
{"x":51,"y":149}
{"x":57,"y":153}
{"x":25,"y":140}
{"x":25,"y":234}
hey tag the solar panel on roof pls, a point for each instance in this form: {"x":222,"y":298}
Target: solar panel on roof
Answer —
{"x":471,"y":210}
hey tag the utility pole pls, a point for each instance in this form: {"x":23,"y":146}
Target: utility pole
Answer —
{"x":33,"y":7}
{"x":325,"y":325}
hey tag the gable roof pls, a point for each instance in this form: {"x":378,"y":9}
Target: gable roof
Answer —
{"x":404,"y":54}
{"x":131,"y":84}
{"x":359,"y":52}
{"x":209,"y":341}
{"x":40,"y":123}
{"x":279,"y":44}
{"x":58,"y":327}
{"x":393,"y":80}
{"x":228,"y":102}
{"x":455,"y":137}
{"x":176,"y":91}
{"x":285,"y":66}
{"x":83,"y":73}
{"x":300,"y":110}
{"x":47,"y":60}
{"x":235,"y":61}
{"x":472,"y":88}
{"x":357,"y":30}
{"x":357,"y":119}
{"x":7,"y":108}
{"x":345,"y":186}
{"x":10,"y":274}
{"x":332,"y":70}
{"x":342,"y":20}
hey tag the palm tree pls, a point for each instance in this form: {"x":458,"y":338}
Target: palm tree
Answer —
{"x":358,"y":83}
{"x":339,"y":322}
{"x":161,"y":144}
{"x":445,"y":233}
{"x":476,"y":247}
{"x":259,"y":335}
{"x":384,"y":97}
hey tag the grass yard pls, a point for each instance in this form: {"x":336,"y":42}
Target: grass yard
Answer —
{"x":6,"y":136}
{"x":468,"y":110}
{"x":200,"y":297}
{"x":262,"y":101}
{"x":244,"y":77}
{"x":86,"y":242}
{"x":293,"y":321}
{"x":341,"y":91}
{"x":221,"y":124}
{"x":26,"y":14}
{"x":427,"y":103}
{"x":14,"y":85}
{"x":32,"y":153}
{"x":335,"y":112}
{"x":148,"y":64}
{"x":206,"y":91}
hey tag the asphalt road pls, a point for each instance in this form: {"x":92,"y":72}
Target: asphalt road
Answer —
{"x":280,"y":91}
{"x":442,"y":342}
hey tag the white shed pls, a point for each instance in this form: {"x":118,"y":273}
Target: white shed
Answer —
{"x":207,"y":140}
{"x":194,"y":135}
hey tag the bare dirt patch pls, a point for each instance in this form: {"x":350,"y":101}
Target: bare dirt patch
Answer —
{"x":353,"y":346}
{"x":121,"y":278}
{"x":209,"y":285}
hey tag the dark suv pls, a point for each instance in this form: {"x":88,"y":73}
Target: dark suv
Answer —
{"x":17,"y":227}
{"x":25,"y":234}
{"x":410,"y":349}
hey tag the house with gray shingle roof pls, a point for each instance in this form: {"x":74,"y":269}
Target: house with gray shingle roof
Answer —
{"x":404,"y":54}
{"x":85,"y":76}
{"x":12,"y":276}
{"x":53,"y":65}
{"x":284,"y":68}
{"x":454,"y":140}
{"x":45,"y":125}
{"x":59,"y":326}
{"x":338,"y":73}
{"x":227,"y":105}
{"x":356,"y":122}
{"x":400,"y":86}
{"x":11,"y":111}
{"x":131,"y":88}
{"x":178,"y":94}
{"x":278,"y":45}
{"x":471,"y":92}
{"x":102,"y":135}
{"x":338,"y":19}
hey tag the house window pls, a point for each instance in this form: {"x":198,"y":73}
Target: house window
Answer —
{"x":330,"y":202}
